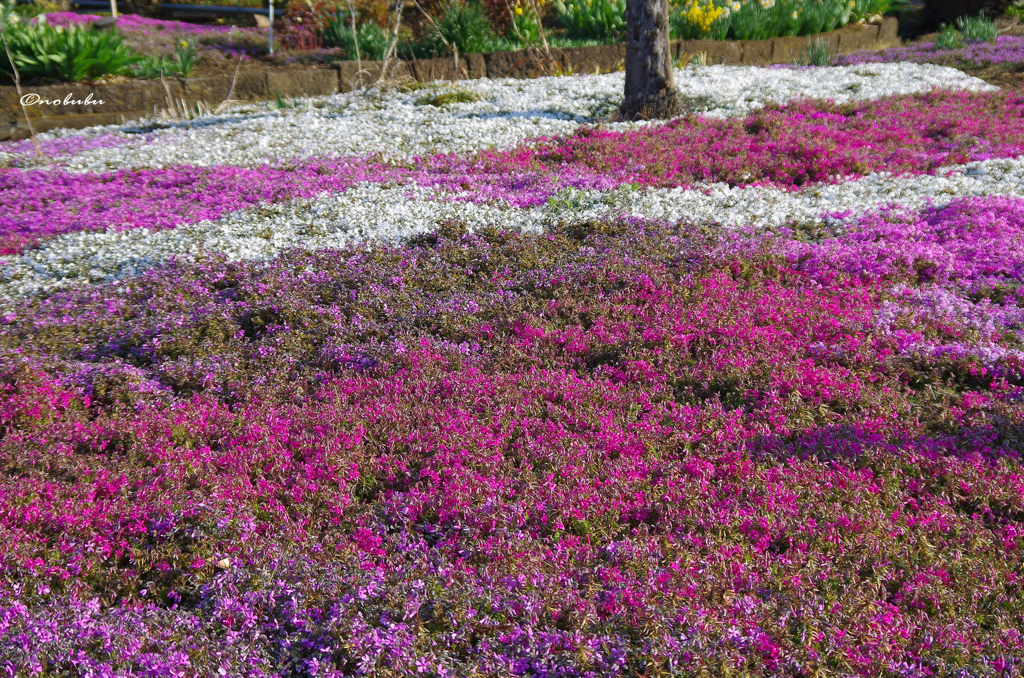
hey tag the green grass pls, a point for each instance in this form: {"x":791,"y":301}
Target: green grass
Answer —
{"x":449,"y":96}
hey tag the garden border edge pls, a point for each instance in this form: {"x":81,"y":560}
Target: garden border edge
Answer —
{"x":123,"y":101}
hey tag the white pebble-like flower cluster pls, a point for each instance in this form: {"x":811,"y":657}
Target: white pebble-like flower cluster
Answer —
{"x":399,"y":125}
{"x":370,"y":212}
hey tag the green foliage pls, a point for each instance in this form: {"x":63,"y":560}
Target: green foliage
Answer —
{"x":819,"y":52}
{"x":977,"y":28}
{"x":863,"y":9}
{"x":592,"y":19}
{"x":464,"y":25}
{"x":372,"y":39}
{"x":455,"y":95}
{"x":150,"y":67}
{"x":821,"y":17}
{"x":525,"y":28}
{"x":949,"y":38}
{"x":72,"y":54}
{"x":8,"y":15}
{"x":29,"y":10}
{"x":281,"y":104}
{"x":185,"y":54}
{"x":764,"y":19}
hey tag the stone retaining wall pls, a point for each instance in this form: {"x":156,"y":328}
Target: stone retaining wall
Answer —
{"x":130,"y":100}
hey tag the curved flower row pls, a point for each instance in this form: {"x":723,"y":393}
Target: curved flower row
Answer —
{"x":786,"y":147}
{"x":370,"y":212}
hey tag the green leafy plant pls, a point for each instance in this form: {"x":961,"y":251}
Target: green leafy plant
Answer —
{"x":150,"y":67}
{"x":949,"y":38}
{"x":820,"y":52}
{"x":821,"y":17}
{"x":600,"y":20}
{"x":764,"y":19}
{"x":864,"y":9}
{"x":185,"y":54}
{"x":524,"y":27}
{"x":373,"y":40}
{"x":73,"y":54}
{"x":977,"y":28}
{"x":465,"y":25}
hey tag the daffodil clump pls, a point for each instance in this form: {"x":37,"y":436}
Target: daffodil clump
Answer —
{"x":763,"y":19}
{"x":701,"y":19}
{"x":703,"y":16}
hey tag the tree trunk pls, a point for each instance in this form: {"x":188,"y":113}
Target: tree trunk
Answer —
{"x":650,"y":85}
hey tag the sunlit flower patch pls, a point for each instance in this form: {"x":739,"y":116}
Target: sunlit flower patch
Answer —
{"x":739,"y":394}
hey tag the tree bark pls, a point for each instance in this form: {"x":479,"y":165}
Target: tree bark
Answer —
{"x":650,"y":85}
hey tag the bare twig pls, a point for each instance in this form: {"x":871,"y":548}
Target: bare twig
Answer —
{"x":515,"y":27}
{"x":232,"y":90}
{"x":355,"y":41}
{"x":172,"y":109}
{"x":454,"y":49}
{"x":538,"y":64}
{"x":394,"y":40}
{"x":540,"y":28}
{"x":689,"y":57}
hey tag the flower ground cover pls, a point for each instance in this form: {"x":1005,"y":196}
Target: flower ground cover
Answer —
{"x":1007,"y":51}
{"x":603,"y":403}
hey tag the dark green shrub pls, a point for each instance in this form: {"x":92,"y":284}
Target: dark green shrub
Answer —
{"x":465,"y":25}
{"x":373,"y":40}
